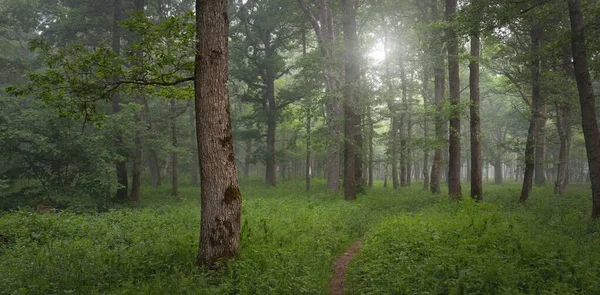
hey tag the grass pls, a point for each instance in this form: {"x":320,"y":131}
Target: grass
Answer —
{"x":289,"y":239}
{"x":415,"y":243}
{"x":548,"y":246}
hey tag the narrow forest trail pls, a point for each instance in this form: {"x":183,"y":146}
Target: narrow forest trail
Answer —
{"x":340,"y":266}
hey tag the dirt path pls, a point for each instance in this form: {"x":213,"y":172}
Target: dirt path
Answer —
{"x":336,"y":286}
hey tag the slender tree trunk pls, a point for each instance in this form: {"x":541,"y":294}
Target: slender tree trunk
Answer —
{"x":587,"y":101}
{"x":476,"y":159}
{"x":271,"y":108}
{"x":121,"y":166}
{"x":425,"y":92}
{"x":439,"y":84}
{"x":248,"y":158}
{"x":194,"y":167}
{"x":174,"y":175}
{"x":351,"y":80}
{"x":308,"y":133}
{"x":371,"y":152}
{"x":540,"y":146}
{"x":535,"y":114}
{"x":220,"y":195}
{"x":322,"y":23}
{"x":140,"y":99}
{"x":402,"y":126}
{"x":454,"y":188}
{"x":563,"y":125}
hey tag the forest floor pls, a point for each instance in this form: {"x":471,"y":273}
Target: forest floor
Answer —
{"x":292,"y":242}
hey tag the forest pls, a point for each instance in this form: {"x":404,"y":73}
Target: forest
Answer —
{"x":299,"y":147}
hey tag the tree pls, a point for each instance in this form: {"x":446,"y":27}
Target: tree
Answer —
{"x":475,"y":118}
{"x":454,"y":188}
{"x":350,"y":90}
{"x":268,"y":28}
{"x":220,"y":194}
{"x":535,"y":33}
{"x":587,"y":101}
{"x":322,"y":21}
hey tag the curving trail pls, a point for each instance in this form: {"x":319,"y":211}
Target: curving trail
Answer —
{"x":340,"y":266}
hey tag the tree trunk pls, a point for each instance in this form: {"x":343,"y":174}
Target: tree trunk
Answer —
{"x":220,"y":195}
{"x":425,"y":92}
{"x":271,"y":108}
{"x":439,"y":84}
{"x":498,"y":171}
{"x":536,"y":109}
{"x":476,"y":159}
{"x":174,"y":175}
{"x":540,"y":146}
{"x":454,"y":188}
{"x":121,"y":166}
{"x":371,"y":152}
{"x":308,"y":130}
{"x":563,"y":126}
{"x":587,"y":101}
{"x":194,"y":167}
{"x":322,"y":23}
{"x":136,"y":182}
{"x":403,"y":127}
{"x":351,"y":79}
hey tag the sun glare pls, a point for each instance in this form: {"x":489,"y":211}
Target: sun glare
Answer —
{"x":377,"y":52}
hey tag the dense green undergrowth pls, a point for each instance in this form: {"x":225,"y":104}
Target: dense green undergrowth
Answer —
{"x":289,"y":239}
{"x":413,"y":244}
{"x":548,"y":246}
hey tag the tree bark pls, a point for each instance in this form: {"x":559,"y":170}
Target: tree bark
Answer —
{"x":425,"y":92}
{"x":454,"y":188}
{"x":220,"y":195}
{"x":587,"y":101}
{"x":403,"y":128}
{"x":475,"y":120}
{"x":350,"y":89}
{"x":439,"y":84}
{"x":533,"y":130}
{"x":121,"y":166}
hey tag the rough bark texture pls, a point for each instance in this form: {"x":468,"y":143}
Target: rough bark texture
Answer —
{"x":536,"y":82}
{"x":220,"y":195}
{"x":350,"y":89}
{"x":587,"y":101}
{"x":454,"y":188}
{"x":121,"y":166}
{"x":476,"y":159}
